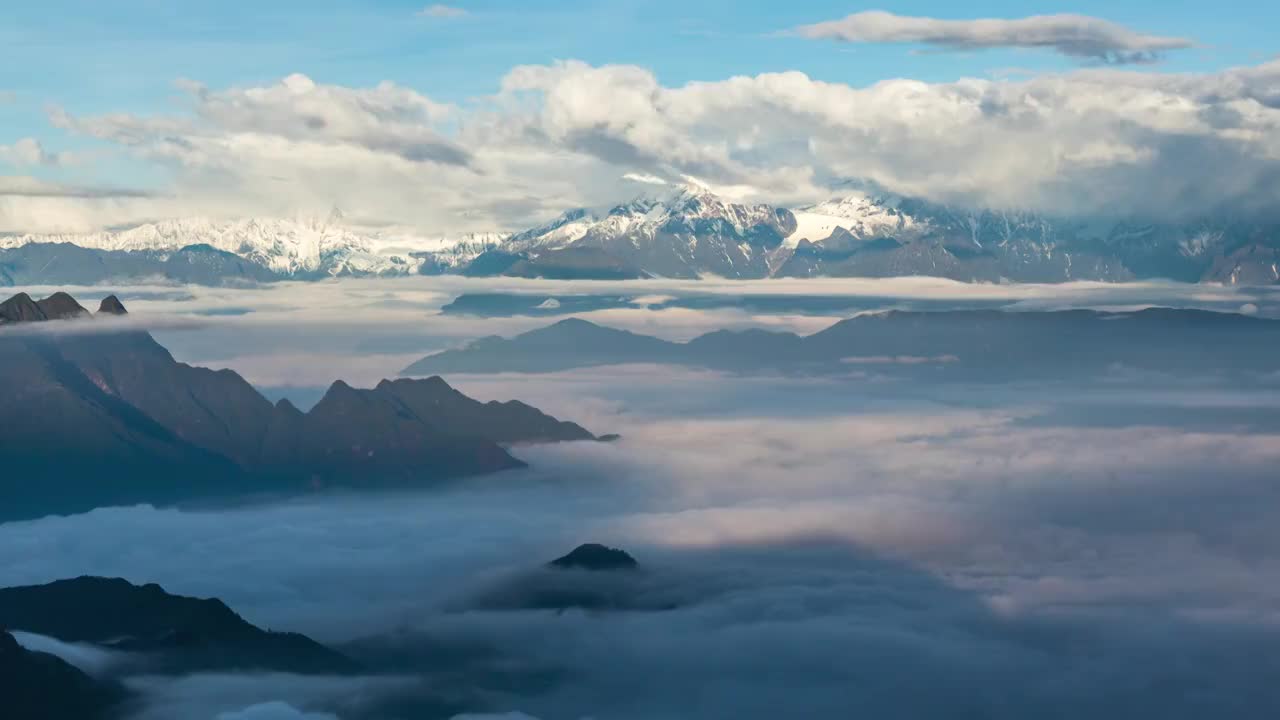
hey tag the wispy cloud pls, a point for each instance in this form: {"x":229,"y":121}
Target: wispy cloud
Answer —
{"x":442,"y":11}
{"x":1076,"y":36}
{"x":21,"y":186}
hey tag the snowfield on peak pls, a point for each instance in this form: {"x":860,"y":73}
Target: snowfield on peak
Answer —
{"x":679,"y":231}
{"x":863,"y":216}
{"x":303,"y":247}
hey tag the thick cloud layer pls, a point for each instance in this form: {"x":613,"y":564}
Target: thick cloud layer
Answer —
{"x":1098,"y":141}
{"x":824,"y":545}
{"x":309,"y":334}
{"x":1077,"y":36}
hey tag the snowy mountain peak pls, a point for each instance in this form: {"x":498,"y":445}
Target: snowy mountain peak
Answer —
{"x":676,"y":230}
{"x":862,"y":216}
{"x":304,"y":246}
{"x":674,"y":208}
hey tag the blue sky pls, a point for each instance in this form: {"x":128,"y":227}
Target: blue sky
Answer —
{"x":124,"y":56}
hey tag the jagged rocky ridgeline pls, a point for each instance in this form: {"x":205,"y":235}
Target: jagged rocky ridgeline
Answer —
{"x":110,"y":417}
{"x":680,"y":231}
{"x":58,"y":306}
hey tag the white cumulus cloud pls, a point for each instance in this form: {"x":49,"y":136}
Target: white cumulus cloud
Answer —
{"x":1099,"y":141}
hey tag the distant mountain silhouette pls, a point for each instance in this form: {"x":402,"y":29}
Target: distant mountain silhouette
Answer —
{"x":595,"y":557}
{"x":185,"y":634}
{"x":39,"y":686}
{"x":565,"y":264}
{"x":547,"y":350}
{"x":591,"y":577}
{"x":965,"y":344}
{"x":100,"y":418}
{"x":64,"y":263}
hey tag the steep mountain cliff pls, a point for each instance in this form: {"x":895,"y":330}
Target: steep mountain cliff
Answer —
{"x":106,"y":415}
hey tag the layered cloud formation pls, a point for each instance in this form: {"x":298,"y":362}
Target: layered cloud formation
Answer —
{"x":555,"y":136}
{"x":1076,"y":36}
{"x":913,"y":551}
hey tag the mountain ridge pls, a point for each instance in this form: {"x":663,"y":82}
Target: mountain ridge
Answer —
{"x":680,"y":231}
{"x":106,"y":418}
{"x":961,"y":344}
{"x":197,"y":634}
{"x":40,"y":686}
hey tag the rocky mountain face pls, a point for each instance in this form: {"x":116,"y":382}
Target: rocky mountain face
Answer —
{"x":39,"y":686}
{"x":94,"y":418}
{"x":960,"y":344}
{"x":863,"y":236}
{"x":690,"y":232}
{"x":169,"y":634}
{"x":684,"y":232}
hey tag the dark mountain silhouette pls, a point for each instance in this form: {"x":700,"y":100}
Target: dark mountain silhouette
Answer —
{"x":576,"y":263}
{"x":968,"y":344}
{"x":508,"y":422}
{"x":372,"y":438}
{"x":595,"y":557}
{"x":111,"y":305}
{"x":188,"y":634}
{"x":61,"y":306}
{"x":58,"y":306}
{"x":547,"y":350}
{"x":63,"y":263}
{"x":70,"y":444}
{"x":100,"y":418}
{"x":591,"y":577}
{"x":39,"y":686}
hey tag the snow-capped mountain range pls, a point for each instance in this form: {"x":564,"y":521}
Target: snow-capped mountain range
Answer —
{"x":684,"y":232}
{"x":681,"y":231}
{"x":290,"y":248}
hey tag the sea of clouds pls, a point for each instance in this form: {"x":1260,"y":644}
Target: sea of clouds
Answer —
{"x":854,"y":550}
{"x":810,"y":547}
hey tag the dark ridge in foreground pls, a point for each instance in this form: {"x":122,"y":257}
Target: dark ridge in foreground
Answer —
{"x":182,"y":634}
{"x":108,"y":417}
{"x":39,"y":686}
{"x":961,"y":344}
